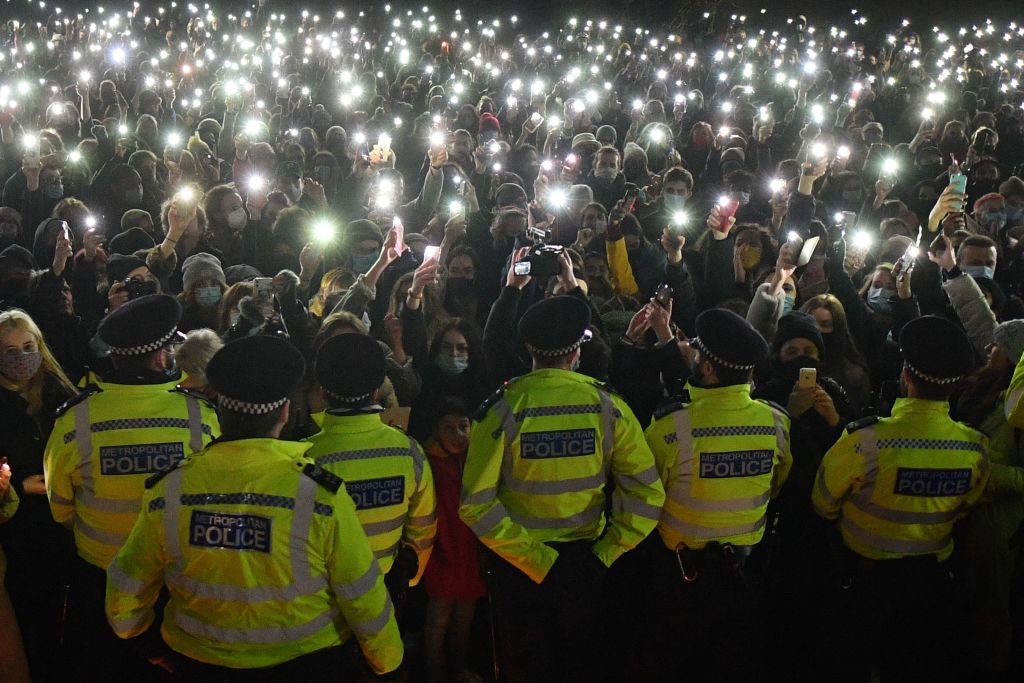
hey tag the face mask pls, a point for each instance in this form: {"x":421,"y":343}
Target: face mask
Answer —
{"x":20,"y":367}
{"x":980,"y":271}
{"x":460,"y":286}
{"x":994,"y":220}
{"x":789,"y":371}
{"x":53,"y":190}
{"x":362,"y":263}
{"x":674,"y":202}
{"x":237,"y":219}
{"x":207,"y":296}
{"x":608,"y":173}
{"x":451,"y":365}
{"x":750,"y":256}
{"x":880,"y":300}
{"x":743,"y":198}
{"x":787,"y":304}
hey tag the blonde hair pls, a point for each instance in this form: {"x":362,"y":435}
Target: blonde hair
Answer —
{"x":194,"y":354}
{"x":16,"y":319}
{"x":334,"y":281}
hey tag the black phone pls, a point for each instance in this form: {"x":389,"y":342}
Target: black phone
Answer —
{"x":663,"y":295}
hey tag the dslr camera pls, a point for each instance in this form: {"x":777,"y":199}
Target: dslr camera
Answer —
{"x":542,"y":260}
{"x":139,"y":287}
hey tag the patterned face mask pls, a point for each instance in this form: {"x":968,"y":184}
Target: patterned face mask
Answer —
{"x":20,"y":366}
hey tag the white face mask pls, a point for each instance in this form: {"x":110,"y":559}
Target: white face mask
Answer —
{"x":237,"y":219}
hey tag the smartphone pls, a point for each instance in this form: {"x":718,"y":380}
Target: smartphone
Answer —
{"x":67,"y":230}
{"x":399,"y":228}
{"x":808,"y":378}
{"x":663,"y":295}
{"x":959,"y":182}
{"x":264,"y":287}
{"x":629,"y":201}
{"x":536,"y":119}
{"x":32,"y":159}
{"x":431,"y":253}
{"x":727,"y":209}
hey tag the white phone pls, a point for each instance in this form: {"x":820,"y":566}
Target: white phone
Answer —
{"x":431,"y":253}
{"x":808,"y":378}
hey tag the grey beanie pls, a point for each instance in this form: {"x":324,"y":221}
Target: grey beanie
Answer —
{"x":199,"y":267}
{"x":1009,"y":337}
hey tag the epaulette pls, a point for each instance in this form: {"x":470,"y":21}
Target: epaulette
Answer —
{"x":328,"y":480}
{"x":862,"y":423}
{"x":489,"y":402}
{"x":680,"y":402}
{"x":194,"y":394}
{"x":155,"y":479}
{"x":773,"y":404}
{"x":75,"y":400}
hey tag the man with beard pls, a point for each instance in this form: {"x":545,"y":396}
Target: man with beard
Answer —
{"x":722,"y":456}
{"x":494,"y":241}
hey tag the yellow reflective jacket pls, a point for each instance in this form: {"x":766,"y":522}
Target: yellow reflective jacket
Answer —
{"x":104,"y":446}
{"x":721,"y":457}
{"x":1014,"y":405}
{"x":897,"y":484}
{"x":538,"y":461}
{"x":264,"y":562}
{"x":388,"y":478}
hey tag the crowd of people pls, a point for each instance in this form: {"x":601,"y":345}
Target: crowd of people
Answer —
{"x":604,"y":350}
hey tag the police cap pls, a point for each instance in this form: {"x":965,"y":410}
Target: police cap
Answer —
{"x":728,"y":340}
{"x":555,"y":327}
{"x":255,"y":375}
{"x":350,"y":367}
{"x":936,"y":350}
{"x":141,"y":325}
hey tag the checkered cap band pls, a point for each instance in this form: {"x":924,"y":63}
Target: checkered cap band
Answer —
{"x":238,"y":406}
{"x":933,"y":380}
{"x":348,"y":399}
{"x":145,"y":348}
{"x":702,"y":347}
{"x":564,"y":351}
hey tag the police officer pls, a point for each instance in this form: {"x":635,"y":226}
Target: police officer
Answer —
{"x":540,"y":455}
{"x":721,"y":456}
{"x":385,"y":471}
{"x":895,"y":486}
{"x":105,"y":443}
{"x":262,"y":553}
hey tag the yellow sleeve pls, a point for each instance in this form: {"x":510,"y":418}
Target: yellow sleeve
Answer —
{"x":1014,"y":404}
{"x":664,"y":454}
{"x":421,"y":524}
{"x":135,"y":575}
{"x":484,"y":513}
{"x":619,"y":269}
{"x":59,"y":464}
{"x":210,"y":420}
{"x":982,"y":474}
{"x":841,"y":467}
{"x":638,"y":496}
{"x":785,"y":456}
{"x":358,"y":586}
{"x":8,"y":504}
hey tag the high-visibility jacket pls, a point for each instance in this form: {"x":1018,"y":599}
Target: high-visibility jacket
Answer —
{"x":263,"y":557}
{"x":538,"y":461}
{"x":388,"y":478}
{"x":1014,"y":405}
{"x":897,"y":484}
{"x":721,"y":456}
{"x":105,"y":444}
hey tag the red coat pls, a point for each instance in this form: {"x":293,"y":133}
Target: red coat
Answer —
{"x":454,"y":568}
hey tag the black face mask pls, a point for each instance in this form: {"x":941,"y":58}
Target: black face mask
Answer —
{"x":789,"y":372}
{"x":835,"y":345}
{"x":461,"y":286}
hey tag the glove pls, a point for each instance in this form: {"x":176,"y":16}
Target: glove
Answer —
{"x":403,"y":570}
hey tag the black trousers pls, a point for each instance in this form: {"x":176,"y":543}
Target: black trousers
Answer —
{"x":546,"y":634}
{"x":708,"y":629}
{"x":330,"y":664}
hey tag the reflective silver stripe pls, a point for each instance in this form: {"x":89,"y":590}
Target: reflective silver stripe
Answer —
{"x":122,"y":581}
{"x":91,"y":500}
{"x":251,"y":595}
{"x":423,"y":520}
{"x":129,"y":625}
{"x":353,"y":590}
{"x":868,"y":447}
{"x":726,"y":505}
{"x":906,"y":516}
{"x":98,"y":535}
{"x":608,"y":412}
{"x":302,"y":519}
{"x":892,"y":545}
{"x":510,"y":430}
{"x":83,"y":439}
{"x":479,"y":497}
{"x":489,"y":520}
{"x":195,"y":424}
{"x":60,"y":500}
{"x":553,"y":488}
{"x":389,"y":551}
{"x":566,"y":522}
{"x":417,"y":460}
{"x":698,"y":531}
{"x":823,"y":491}
{"x":172,"y":505}
{"x":367,"y":454}
{"x":377,"y":528}
{"x":635,"y":506}
{"x":781,"y":435}
{"x":678,"y":486}
{"x":267,"y":635}
{"x":422,"y":544}
{"x":1013,"y":400}
{"x":646,"y":477}
{"x":370,"y":628}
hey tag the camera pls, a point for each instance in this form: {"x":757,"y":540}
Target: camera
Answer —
{"x":139,"y":287}
{"x":542,"y":260}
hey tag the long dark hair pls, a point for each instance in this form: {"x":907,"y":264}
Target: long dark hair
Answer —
{"x":981,"y":393}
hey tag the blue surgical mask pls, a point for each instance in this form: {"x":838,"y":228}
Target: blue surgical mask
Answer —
{"x":880,"y":300}
{"x":363,"y":262}
{"x":451,"y":365}
{"x":53,"y":190}
{"x":787,"y":304}
{"x":207,"y":296}
{"x":607,"y":173}
{"x":980,"y":271}
{"x":743,"y":198}
{"x":674,"y":202}
{"x":994,"y":220}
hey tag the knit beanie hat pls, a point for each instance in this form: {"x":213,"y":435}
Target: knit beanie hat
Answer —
{"x":1009,"y":337}
{"x":199,"y":267}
